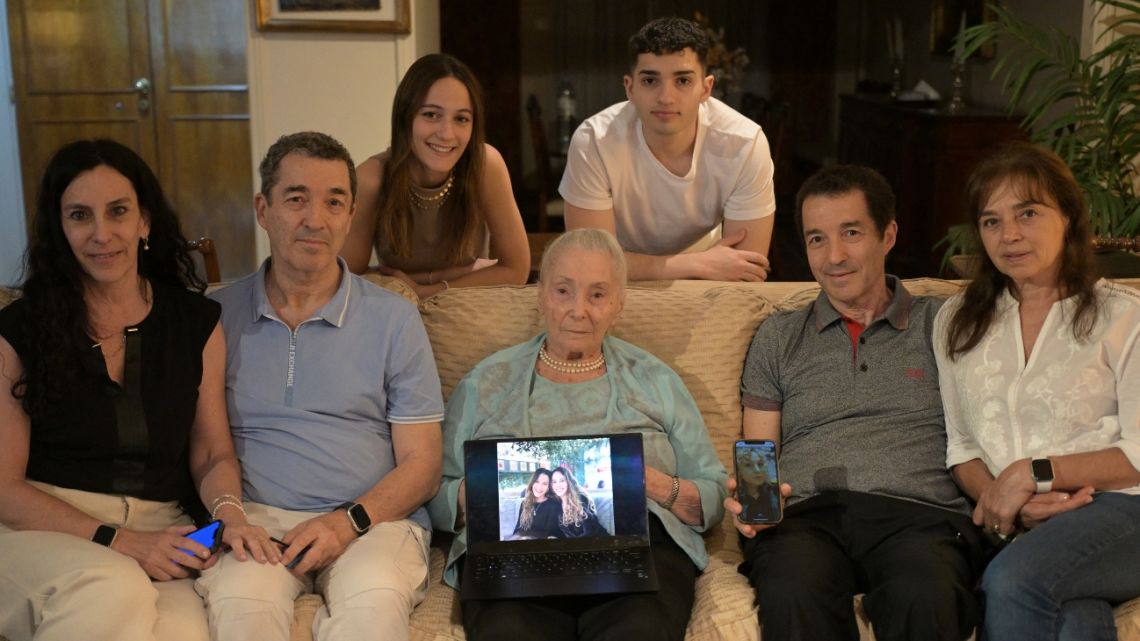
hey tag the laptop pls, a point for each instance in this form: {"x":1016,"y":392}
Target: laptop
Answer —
{"x":599,"y":545}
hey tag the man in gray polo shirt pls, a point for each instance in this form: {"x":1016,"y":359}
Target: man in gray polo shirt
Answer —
{"x":849,"y":388}
{"x":335,"y":408}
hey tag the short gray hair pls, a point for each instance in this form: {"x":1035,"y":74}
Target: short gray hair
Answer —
{"x":313,"y":144}
{"x":595,"y":240}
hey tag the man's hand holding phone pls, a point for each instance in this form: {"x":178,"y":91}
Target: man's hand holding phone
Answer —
{"x":736,"y":509}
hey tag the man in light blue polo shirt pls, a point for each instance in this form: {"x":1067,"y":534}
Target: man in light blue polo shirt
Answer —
{"x":335,"y":408}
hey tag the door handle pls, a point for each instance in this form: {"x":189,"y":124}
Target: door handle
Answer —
{"x":142,"y":87}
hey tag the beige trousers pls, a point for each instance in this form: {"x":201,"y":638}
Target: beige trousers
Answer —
{"x":58,"y":587}
{"x":369,"y":591}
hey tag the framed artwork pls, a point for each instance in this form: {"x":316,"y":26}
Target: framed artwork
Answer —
{"x":948,"y":17}
{"x":383,"y":16}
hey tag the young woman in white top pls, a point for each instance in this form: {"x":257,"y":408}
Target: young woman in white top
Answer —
{"x":438,"y":203}
{"x":1039,"y":368}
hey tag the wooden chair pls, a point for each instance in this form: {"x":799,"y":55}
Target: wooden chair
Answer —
{"x":205,"y":247}
{"x":550,"y":205}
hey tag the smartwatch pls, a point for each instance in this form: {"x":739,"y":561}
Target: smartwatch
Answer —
{"x":1042,"y":474}
{"x":358,"y":517}
{"x":105,"y":534}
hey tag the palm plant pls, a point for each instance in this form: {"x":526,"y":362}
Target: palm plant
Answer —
{"x":1085,"y":109}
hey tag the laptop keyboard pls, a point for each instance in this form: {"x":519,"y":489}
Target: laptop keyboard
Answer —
{"x":544,"y":564}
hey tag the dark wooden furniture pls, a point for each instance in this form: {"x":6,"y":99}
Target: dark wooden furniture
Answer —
{"x":205,"y":247}
{"x":550,"y":204}
{"x":926,"y":154}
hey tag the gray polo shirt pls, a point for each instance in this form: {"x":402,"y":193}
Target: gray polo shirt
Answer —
{"x":311,"y":409}
{"x":867,"y":419}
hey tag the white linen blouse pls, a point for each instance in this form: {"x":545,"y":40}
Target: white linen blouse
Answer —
{"x":1070,"y":396}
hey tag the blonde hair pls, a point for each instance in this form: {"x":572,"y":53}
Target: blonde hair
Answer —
{"x":575,"y":504}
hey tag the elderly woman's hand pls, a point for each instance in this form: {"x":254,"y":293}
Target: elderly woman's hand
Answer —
{"x":735,"y":508}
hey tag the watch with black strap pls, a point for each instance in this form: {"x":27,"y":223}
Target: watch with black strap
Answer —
{"x":1042,"y":469}
{"x":358,"y":517}
{"x":105,"y":534}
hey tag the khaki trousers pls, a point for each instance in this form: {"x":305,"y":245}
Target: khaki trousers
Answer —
{"x":58,"y":587}
{"x":369,"y":591}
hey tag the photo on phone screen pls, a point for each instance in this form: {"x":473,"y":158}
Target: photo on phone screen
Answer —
{"x":209,"y":536}
{"x":757,"y":481}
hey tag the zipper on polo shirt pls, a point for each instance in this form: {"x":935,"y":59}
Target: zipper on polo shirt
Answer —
{"x":292,"y":365}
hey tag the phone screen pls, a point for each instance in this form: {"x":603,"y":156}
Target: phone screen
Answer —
{"x":209,"y":536}
{"x":758,"y":481}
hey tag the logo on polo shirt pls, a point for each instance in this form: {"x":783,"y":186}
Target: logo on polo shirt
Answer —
{"x":915,"y":373}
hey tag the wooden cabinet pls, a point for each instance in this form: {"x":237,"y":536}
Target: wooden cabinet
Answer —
{"x":926,"y":154}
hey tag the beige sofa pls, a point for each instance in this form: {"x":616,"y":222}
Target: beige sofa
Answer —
{"x":702,"y":330}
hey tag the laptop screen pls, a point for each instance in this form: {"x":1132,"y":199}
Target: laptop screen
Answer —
{"x":566,"y":489}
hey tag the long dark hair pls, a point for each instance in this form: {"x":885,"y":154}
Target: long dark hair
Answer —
{"x":1040,"y":175}
{"x":526,"y":511}
{"x":56,"y":324}
{"x":461,"y":217}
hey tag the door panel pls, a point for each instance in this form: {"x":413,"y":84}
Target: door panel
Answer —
{"x":75,"y":65}
{"x":202,"y":111}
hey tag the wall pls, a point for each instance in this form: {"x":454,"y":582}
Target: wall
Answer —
{"x":12,"y":229}
{"x":338,"y":83}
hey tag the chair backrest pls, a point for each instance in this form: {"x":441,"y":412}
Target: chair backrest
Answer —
{"x":205,"y":247}
{"x":541,"y":160}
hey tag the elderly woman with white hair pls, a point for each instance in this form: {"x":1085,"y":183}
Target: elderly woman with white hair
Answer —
{"x":573,"y":379}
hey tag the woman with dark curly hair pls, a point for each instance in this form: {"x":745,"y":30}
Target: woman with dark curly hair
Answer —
{"x":112,"y":412}
{"x":579,"y":516}
{"x":1039,"y":369}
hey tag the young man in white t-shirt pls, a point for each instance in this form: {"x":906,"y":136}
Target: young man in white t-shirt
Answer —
{"x":668,"y":166}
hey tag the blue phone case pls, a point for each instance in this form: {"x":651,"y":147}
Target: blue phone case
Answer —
{"x":209,"y":536}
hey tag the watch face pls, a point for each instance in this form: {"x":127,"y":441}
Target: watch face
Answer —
{"x":359,"y":517}
{"x":1042,"y":469}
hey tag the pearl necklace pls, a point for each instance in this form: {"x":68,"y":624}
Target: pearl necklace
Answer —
{"x":430,"y":202}
{"x":570,"y":367}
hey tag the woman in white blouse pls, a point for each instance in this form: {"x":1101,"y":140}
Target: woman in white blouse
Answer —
{"x":1039,"y":365}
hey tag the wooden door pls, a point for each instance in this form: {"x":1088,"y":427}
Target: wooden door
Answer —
{"x":165,"y":77}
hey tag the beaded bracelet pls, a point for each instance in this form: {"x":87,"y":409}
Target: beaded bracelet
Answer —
{"x":224,"y":497}
{"x":219,"y":504}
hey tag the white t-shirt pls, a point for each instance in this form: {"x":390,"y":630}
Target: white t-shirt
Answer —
{"x":609,"y":165}
{"x":1069,"y":397}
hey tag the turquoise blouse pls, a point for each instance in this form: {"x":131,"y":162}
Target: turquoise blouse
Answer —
{"x":645,"y":396}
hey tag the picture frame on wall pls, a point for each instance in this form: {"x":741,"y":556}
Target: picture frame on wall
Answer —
{"x":375,"y":16}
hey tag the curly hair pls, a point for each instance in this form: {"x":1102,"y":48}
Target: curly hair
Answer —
{"x":54,"y":281}
{"x":1035,"y":174}
{"x":576,"y":506}
{"x":669,"y":35}
{"x":460,"y":217}
{"x":526,"y":511}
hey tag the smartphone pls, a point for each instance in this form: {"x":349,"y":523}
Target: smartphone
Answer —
{"x":758,"y":481}
{"x":209,"y":536}
{"x":297,"y":559}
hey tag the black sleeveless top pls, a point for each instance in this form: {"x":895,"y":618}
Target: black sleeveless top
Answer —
{"x":132,"y":439}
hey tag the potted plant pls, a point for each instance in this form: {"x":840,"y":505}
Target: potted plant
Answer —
{"x":1086,"y":109}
